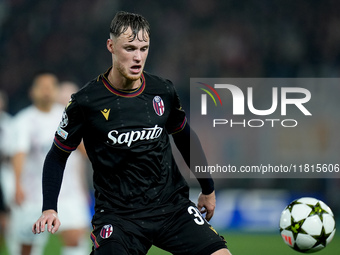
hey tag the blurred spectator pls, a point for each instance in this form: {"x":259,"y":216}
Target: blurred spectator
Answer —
{"x":34,"y":127}
{"x":40,"y":121}
{"x":73,"y":199}
{"x":217,"y":39}
{"x":5,"y":154}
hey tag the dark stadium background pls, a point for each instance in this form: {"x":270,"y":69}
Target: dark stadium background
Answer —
{"x":248,"y":38}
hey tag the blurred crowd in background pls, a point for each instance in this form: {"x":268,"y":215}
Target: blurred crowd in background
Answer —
{"x":192,"y":38}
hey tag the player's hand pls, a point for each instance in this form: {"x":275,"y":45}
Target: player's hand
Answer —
{"x":49,"y":217}
{"x":207,"y":204}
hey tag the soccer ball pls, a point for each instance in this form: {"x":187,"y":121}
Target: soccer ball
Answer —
{"x":307,"y":225}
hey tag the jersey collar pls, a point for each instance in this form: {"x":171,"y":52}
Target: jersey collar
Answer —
{"x":122,"y":93}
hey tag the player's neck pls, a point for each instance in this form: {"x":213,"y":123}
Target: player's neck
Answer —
{"x":122,"y":83}
{"x":44,"y":107}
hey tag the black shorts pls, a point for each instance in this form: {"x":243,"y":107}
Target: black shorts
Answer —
{"x":185,"y":232}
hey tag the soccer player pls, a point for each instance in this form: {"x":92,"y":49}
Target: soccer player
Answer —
{"x":35,"y":126}
{"x":124,"y":117}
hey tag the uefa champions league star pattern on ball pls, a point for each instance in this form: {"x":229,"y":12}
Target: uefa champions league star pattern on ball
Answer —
{"x":307,"y":225}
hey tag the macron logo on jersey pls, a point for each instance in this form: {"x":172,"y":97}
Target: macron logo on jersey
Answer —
{"x":132,"y":136}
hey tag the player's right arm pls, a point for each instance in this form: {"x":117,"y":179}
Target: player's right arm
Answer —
{"x":53,"y":171}
{"x":67,"y":138}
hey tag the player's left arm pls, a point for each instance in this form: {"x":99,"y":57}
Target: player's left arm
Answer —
{"x":185,"y":138}
{"x":206,"y":200}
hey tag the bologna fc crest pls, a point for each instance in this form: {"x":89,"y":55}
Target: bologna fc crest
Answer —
{"x":158,"y":105}
{"x":106,"y":231}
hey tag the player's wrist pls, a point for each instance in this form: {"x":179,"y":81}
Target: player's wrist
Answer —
{"x":208,"y":191}
{"x":49,"y":206}
{"x":207,"y":185}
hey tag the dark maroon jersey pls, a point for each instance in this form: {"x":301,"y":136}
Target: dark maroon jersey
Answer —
{"x":126,"y":136}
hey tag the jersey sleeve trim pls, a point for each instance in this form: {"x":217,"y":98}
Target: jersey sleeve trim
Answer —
{"x":63,"y":147}
{"x":179,"y":128}
{"x":94,"y":240}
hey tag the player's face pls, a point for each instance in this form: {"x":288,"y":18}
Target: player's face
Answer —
{"x":44,"y":91}
{"x":129,"y":56}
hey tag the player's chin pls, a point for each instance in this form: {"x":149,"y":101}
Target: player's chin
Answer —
{"x":134,"y":76}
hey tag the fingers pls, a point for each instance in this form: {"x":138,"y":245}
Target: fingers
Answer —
{"x":50,"y":225}
{"x":39,"y":226}
{"x":209,"y":212}
{"x":53,"y":226}
{"x":52,"y":221}
{"x":209,"y":215}
{"x":206,"y":204}
{"x":202,"y":211}
{"x":34,"y":229}
{"x":200,"y":207}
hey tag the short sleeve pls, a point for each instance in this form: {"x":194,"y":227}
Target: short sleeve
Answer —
{"x":70,"y":130}
{"x":177,"y":119}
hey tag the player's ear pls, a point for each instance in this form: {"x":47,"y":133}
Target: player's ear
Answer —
{"x":109,"y":45}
